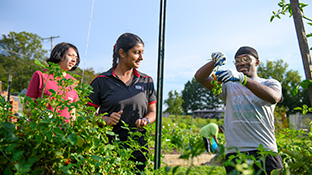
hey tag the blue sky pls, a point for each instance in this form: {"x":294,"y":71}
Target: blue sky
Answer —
{"x":194,"y":29}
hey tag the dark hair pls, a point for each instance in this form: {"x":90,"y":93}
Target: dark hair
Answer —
{"x":221,"y":128}
{"x":58,"y":54}
{"x":125,"y":42}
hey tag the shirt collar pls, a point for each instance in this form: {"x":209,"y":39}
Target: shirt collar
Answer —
{"x":112,"y":72}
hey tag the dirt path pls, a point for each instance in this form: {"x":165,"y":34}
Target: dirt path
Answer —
{"x":173,"y":160}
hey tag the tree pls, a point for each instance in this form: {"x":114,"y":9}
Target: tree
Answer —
{"x":174,"y":103}
{"x":289,"y":79}
{"x":295,"y":9}
{"x":195,"y":96}
{"x":88,"y":75}
{"x":17,"y":54}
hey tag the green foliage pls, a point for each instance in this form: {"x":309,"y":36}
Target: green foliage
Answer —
{"x":196,"y":96}
{"x":88,"y":75}
{"x":44,"y":143}
{"x":295,"y":148}
{"x":174,"y":103}
{"x":17,"y":54}
{"x":285,"y":8}
{"x":198,"y":170}
{"x":305,"y":109}
{"x":288,"y":79}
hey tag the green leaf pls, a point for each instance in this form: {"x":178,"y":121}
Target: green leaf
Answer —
{"x":79,"y":141}
{"x":33,"y":159}
{"x":96,"y":142}
{"x":39,"y":138}
{"x":39,"y":63}
{"x":58,"y":131}
{"x":66,"y":170}
{"x":33,"y":124}
{"x":304,"y":112}
{"x":52,"y":91}
{"x":95,"y":157}
{"x":72,"y":138}
{"x":110,"y":147}
{"x":10,"y":148}
{"x":18,"y":155}
{"x":295,"y":90}
{"x":8,"y":171}
{"x":297,"y":108}
{"x":8,"y":126}
{"x":305,"y":84}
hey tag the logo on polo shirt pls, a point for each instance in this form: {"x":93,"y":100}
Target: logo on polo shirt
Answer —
{"x":139,"y":87}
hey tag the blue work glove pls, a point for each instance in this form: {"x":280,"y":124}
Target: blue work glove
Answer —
{"x":230,"y":75}
{"x":218,"y":58}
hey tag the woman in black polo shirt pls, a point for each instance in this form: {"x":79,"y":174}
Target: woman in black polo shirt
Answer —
{"x":125,"y":93}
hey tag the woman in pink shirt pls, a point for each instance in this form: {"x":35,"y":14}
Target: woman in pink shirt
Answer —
{"x":67,"y":57}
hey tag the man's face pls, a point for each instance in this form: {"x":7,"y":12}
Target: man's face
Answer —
{"x":247,"y":64}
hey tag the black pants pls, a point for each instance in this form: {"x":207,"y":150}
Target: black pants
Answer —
{"x":271,"y":162}
{"x":142,"y":159}
{"x":207,"y":144}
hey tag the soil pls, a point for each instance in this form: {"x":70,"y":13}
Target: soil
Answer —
{"x":174,"y":160}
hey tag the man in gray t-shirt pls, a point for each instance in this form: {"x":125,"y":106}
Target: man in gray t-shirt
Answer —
{"x":250,"y":102}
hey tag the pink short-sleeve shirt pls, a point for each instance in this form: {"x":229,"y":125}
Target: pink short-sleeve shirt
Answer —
{"x":42,"y":82}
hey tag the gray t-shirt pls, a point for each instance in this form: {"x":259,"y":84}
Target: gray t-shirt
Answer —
{"x":249,"y":120}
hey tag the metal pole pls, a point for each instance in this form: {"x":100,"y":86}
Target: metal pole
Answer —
{"x":161,"y":49}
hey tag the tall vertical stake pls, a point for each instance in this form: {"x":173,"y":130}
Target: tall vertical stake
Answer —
{"x":9,"y":88}
{"x":160,"y":73}
{"x":303,"y":42}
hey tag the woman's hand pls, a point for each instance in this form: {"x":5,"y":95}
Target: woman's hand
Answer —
{"x":142,"y":122}
{"x":113,"y":119}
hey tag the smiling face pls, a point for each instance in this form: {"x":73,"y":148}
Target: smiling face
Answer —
{"x":133,"y":57}
{"x":247,"y":64}
{"x":70,"y":60}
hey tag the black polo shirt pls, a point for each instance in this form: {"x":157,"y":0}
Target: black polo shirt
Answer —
{"x":113,"y":95}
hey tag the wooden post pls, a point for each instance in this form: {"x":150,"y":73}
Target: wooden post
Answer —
{"x":303,"y":42}
{"x":284,"y":119}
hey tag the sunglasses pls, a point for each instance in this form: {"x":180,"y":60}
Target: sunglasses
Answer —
{"x":245,"y":59}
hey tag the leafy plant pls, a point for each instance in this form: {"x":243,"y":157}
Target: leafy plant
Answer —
{"x":43,"y":143}
{"x":286,"y":8}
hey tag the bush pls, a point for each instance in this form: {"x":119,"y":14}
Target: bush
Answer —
{"x":42,"y":144}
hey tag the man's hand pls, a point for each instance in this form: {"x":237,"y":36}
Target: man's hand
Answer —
{"x":230,"y":75}
{"x":114,"y":118}
{"x":218,"y":58}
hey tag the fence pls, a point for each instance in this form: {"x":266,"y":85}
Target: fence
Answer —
{"x":299,"y":121}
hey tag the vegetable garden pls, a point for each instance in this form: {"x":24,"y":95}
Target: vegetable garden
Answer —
{"x":42,"y":144}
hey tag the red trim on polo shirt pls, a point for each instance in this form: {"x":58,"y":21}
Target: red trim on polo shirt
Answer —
{"x":114,"y":70}
{"x":104,"y":76}
{"x":91,"y":104}
{"x":152,"y":102}
{"x":149,"y":77}
{"x":136,"y":73}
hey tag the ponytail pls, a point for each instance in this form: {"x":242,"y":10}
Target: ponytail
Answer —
{"x":115,"y":56}
{"x":114,"y":60}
